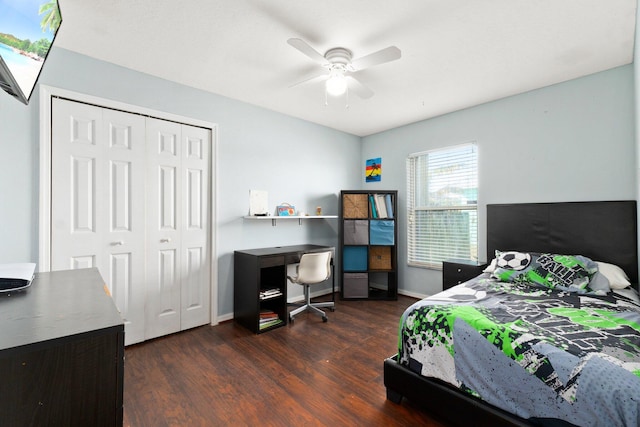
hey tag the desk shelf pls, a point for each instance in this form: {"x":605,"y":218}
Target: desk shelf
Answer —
{"x":274,"y":219}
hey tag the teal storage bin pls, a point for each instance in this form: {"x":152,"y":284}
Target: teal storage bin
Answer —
{"x":381,"y":233}
{"x":354,"y":258}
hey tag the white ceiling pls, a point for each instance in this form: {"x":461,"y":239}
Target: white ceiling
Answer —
{"x":455,"y":53}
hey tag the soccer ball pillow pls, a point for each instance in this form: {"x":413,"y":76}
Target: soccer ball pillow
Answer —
{"x":513,"y":260}
{"x":568,"y":272}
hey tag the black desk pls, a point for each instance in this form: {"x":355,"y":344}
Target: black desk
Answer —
{"x":265,"y":269}
{"x":61,"y":353}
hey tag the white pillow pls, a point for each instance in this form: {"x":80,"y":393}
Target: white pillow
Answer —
{"x":617,"y":277}
{"x":491,"y":267}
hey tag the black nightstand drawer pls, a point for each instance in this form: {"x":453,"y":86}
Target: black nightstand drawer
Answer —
{"x":457,"y":271}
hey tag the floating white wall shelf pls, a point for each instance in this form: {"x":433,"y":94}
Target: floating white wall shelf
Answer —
{"x":274,"y":219}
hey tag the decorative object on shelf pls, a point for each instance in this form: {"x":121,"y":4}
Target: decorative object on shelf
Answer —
{"x":258,"y":203}
{"x":286,"y":209}
{"x":319,"y":210}
{"x":373,"y":170}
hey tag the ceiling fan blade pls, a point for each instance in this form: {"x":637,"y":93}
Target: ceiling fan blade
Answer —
{"x":358,"y":88}
{"x":312,"y":79}
{"x":388,"y":54}
{"x":303,"y":47}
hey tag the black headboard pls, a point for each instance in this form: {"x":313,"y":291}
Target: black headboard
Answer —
{"x":602,"y":231}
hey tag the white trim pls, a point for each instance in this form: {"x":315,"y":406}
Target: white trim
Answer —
{"x":448,"y":147}
{"x":44,"y":216}
{"x":412,"y":294}
{"x":213,"y":305}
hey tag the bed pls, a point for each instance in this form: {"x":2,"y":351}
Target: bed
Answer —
{"x":556,"y":361}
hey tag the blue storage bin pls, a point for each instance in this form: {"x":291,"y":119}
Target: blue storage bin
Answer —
{"x":381,"y":233}
{"x":354,"y":258}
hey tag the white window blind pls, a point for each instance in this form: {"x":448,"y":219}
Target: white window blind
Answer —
{"x":442,"y":205}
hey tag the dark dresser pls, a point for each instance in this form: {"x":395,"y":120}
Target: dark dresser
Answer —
{"x":61,"y":353}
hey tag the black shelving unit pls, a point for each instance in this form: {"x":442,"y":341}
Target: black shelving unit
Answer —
{"x":368,"y":239}
{"x":260,"y":283}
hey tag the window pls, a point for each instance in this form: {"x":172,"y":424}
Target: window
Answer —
{"x":442,"y":205}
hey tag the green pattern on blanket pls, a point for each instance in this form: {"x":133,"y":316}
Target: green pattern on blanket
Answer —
{"x":435,"y":327}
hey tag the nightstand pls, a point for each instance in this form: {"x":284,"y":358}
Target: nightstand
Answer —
{"x":456,"y":271}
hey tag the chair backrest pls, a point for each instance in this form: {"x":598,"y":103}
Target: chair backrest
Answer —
{"x":314,"y":267}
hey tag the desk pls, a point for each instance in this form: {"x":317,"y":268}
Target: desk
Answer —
{"x":262,"y":269}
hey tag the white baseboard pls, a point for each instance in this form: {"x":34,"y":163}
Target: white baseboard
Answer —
{"x":412,"y":294}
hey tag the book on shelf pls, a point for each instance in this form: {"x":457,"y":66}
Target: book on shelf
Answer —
{"x":381,"y":206}
{"x":389,"y":204}
{"x":373,"y":212}
{"x":267,"y":316}
{"x":265,"y":325}
{"x":266,"y":313}
{"x":270,"y":293}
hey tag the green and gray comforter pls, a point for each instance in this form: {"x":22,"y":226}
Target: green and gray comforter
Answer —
{"x":534,"y":351}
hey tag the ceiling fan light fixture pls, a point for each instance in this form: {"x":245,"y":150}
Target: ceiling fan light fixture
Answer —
{"x":336,"y":85}
{"x":338,"y":61}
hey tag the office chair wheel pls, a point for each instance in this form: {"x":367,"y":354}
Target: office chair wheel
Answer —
{"x":324,"y":319}
{"x":332,"y":308}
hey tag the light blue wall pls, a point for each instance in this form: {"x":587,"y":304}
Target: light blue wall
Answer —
{"x":295,"y":161}
{"x":572,"y":141}
{"x":568,"y":142}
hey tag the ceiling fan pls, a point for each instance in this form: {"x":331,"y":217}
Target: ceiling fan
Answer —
{"x":340,"y":66}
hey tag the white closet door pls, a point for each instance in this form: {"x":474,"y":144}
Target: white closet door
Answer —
{"x":78,"y":222}
{"x":125,"y":239}
{"x":98,"y":163}
{"x":195,"y":227}
{"x":164,"y":221}
{"x":129,"y":195}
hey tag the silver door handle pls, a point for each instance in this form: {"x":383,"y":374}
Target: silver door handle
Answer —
{"x":167,"y":240}
{"x":118,"y":243}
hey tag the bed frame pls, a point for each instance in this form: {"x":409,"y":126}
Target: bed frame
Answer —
{"x":603,"y":231}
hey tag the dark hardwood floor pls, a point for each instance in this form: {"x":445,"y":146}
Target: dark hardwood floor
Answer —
{"x":304,"y":374}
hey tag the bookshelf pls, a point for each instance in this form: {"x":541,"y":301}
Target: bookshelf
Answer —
{"x":368,"y":237}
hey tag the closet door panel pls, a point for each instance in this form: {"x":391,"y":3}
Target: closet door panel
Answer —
{"x":195,"y":228}
{"x":164,"y":222}
{"x":125,"y":242}
{"x":77,"y":220}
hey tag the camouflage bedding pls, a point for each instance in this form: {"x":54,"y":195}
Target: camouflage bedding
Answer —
{"x":533,"y":351}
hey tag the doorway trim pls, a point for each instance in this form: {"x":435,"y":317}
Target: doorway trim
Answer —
{"x":47,"y":93}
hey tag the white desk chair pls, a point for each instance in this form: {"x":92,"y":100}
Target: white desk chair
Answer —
{"x":314,"y":268}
